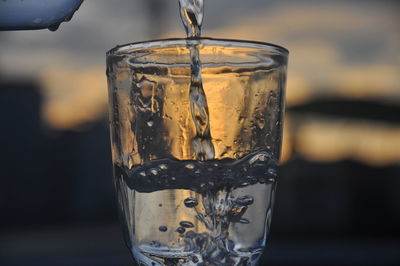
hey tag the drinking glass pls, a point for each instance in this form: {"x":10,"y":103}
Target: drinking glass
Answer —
{"x":176,"y":207}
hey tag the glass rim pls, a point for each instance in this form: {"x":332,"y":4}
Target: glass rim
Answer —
{"x":170,"y":42}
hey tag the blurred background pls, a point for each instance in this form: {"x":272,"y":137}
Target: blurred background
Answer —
{"x":338,"y":200}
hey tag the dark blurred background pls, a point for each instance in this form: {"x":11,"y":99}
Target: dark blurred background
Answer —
{"x":338,"y":200}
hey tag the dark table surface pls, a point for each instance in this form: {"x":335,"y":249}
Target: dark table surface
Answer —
{"x":103,"y":245}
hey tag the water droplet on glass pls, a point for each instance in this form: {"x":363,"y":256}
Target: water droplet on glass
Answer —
{"x":186,"y":224}
{"x":163,"y":228}
{"x":146,"y":86}
{"x":180,"y":230}
{"x":190,"y":202}
{"x":260,"y":123}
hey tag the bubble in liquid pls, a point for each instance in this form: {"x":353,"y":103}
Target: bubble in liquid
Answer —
{"x":244,"y":221}
{"x":272,"y":172}
{"x":150,"y":123}
{"x":195,"y":259}
{"x":142,"y":173}
{"x":190,"y":202}
{"x":245,"y":200}
{"x":163,"y":166}
{"x":261,"y":157}
{"x":163,"y":228}
{"x":155,"y":244}
{"x":260,"y":123}
{"x":153,"y":171}
{"x":189,"y":166}
{"x":186,"y":224}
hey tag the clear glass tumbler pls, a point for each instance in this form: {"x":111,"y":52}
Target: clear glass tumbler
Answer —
{"x":178,"y":208}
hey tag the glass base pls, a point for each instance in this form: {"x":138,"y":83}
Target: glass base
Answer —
{"x":159,"y":257}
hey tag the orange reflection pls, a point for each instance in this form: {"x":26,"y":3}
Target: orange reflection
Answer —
{"x":326,"y":60}
{"x":73,"y":96}
{"x":331,"y":140}
{"x":327,"y":44}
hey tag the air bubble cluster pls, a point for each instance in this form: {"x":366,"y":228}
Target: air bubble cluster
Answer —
{"x":218,"y":174}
